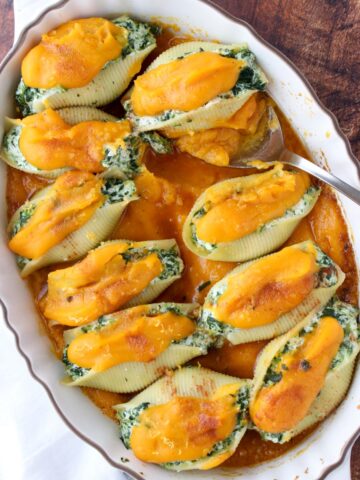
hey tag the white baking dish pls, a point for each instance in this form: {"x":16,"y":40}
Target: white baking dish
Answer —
{"x":326,"y":447}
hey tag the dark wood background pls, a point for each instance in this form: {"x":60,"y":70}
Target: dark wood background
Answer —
{"x":320,"y":36}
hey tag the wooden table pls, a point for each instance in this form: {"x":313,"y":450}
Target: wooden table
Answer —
{"x":320,"y":36}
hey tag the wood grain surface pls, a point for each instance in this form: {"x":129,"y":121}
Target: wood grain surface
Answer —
{"x":320,"y":36}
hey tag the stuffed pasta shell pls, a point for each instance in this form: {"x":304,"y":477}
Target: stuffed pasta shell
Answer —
{"x":83,"y":138}
{"x":127,"y":350}
{"x":194,"y":86}
{"x":117,"y":274}
{"x":190,"y":419}
{"x":243,"y":218}
{"x":64,"y":221}
{"x":88,"y":61}
{"x":303,"y":375}
{"x":268,"y":296}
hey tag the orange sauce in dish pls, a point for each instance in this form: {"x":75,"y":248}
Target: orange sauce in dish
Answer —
{"x":167,"y":195}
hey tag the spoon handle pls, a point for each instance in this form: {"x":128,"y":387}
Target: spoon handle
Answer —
{"x":309,"y":167}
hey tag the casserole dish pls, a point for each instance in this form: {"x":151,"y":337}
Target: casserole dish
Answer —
{"x":318,"y":453}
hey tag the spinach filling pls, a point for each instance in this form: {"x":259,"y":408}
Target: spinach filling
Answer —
{"x":25,"y":214}
{"x":74,"y":371}
{"x":12,"y":150}
{"x":140,"y":35}
{"x":250,"y":77}
{"x":128,"y":419}
{"x":127,"y":159}
{"x":117,"y":190}
{"x":169,"y":258}
{"x":28,"y":97}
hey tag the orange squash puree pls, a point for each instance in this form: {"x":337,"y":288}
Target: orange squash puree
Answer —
{"x":48,"y":142}
{"x":99,"y":284}
{"x":135,"y":337}
{"x":280,"y":407}
{"x":216,"y":146}
{"x":184,"y":84}
{"x":248,"y":116}
{"x":73,"y":53}
{"x":268,"y":288}
{"x":235,"y":215}
{"x":219,"y":145}
{"x":180,"y":179}
{"x":69,"y":203}
{"x":185,"y":428}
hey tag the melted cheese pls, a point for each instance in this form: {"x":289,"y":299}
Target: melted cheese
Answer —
{"x":134,"y":337}
{"x":184,"y":84}
{"x":282,"y":406}
{"x":47,"y":142}
{"x":234,"y":215}
{"x":72,"y":54}
{"x":268,"y":288}
{"x":69,"y":203}
{"x":185,"y":428}
{"x":99,"y":284}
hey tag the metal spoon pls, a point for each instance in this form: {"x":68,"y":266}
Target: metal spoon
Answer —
{"x":269,"y":147}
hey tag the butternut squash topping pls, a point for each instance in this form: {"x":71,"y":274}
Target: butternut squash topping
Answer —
{"x":72,"y":54}
{"x":219,"y":145}
{"x":216,"y":146}
{"x":135,"y":337}
{"x":99,"y":284}
{"x":47,"y":142}
{"x":247,"y":118}
{"x":186,"y":428}
{"x":282,"y":406}
{"x":184,"y":84}
{"x":69,"y":203}
{"x":268,"y":288}
{"x":234,"y":215}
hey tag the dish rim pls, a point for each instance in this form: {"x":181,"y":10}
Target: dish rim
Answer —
{"x":222,"y":11}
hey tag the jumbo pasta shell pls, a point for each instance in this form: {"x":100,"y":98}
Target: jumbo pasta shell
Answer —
{"x":318,"y":297}
{"x":78,"y":243}
{"x":267,"y":238}
{"x":88,"y":295}
{"x":220,"y":108}
{"x":121,"y":163}
{"x":108,"y":84}
{"x":338,"y":377}
{"x":133,"y":376}
{"x":192,"y":382}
